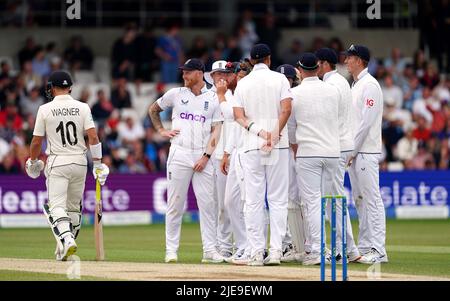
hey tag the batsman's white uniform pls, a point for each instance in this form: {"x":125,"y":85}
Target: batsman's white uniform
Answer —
{"x":224,"y":235}
{"x":260,"y":94}
{"x":234,"y":194}
{"x":193,"y":116}
{"x":364,"y":171}
{"x":64,"y":121}
{"x":315,"y":108}
{"x":347,"y":146}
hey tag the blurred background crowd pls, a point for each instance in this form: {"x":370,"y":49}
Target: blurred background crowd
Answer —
{"x":143,"y":65}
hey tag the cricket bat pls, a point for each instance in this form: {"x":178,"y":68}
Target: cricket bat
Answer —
{"x":98,"y":228}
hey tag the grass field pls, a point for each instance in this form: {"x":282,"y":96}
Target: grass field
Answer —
{"x":415,"y":247}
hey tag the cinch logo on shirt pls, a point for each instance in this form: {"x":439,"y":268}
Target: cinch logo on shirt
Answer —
{"x":192,"y":117}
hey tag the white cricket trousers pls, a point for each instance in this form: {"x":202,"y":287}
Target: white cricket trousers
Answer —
{"x":180,"y":173}
{"x":65,"y":187}
{"x":315,"y":176}
{"x":261,"y":172}
{"x":234,"y":202}
{"x":338,"y":189}
{"x":224,"y":236}
{"x":364,"y":178}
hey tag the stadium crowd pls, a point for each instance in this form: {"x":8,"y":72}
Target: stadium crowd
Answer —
{"x":416,"y":127}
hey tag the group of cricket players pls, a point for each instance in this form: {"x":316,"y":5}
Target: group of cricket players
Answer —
{"x":260,"y":148}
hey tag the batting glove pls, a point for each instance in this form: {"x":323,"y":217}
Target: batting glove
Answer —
{"x":100,"y":171}
{"x":34,"y":167}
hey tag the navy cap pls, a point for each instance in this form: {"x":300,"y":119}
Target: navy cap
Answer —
{"x":308,"y":61}
{"x":327,"y":54}
{"x":360,"y":51}
{"x":193,"y":64}
{"x":60,"y":79}
{"x":287,"y":70}
{"x":259,"y":51}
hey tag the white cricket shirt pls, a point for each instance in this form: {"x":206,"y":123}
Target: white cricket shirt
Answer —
{"x":192,"y":115}
{"x":345,"y":109}
{"x":368,"y":111}
{"x":260,"y":94}
{"x":64,"y":121}
{"x":315,"y":118}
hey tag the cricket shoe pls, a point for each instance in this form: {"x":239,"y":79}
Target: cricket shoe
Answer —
{"x":212,"y":257}
{"x":289,"y":254}
{"x":274,"y":258}
{"x":171,"y":257}
{"x":70,"y":247}
{"x":226,"y":254}
{"x":257,"y":259}
{"x":235,"y":255}
{"x":311,"y":259}
{"x":354,"y":256}
{"x":373,"y":257}
{"x":239,"y":259}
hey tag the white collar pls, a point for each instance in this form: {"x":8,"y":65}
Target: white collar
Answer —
{"x":328,"y":74}
{"x":363,"y":73}
{"x":260,"y":66}
{"x":63,"y":97}
{"x":310,"y":79}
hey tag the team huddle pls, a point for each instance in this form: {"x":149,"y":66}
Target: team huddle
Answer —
{"x":260,"y":148}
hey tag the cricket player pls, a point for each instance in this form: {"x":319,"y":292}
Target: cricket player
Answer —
{"x":234,"y":196}
{"x":294,"y":240}
{"x":263,"y":105}
{"x":327,"y":71}
{"x":367,"y":100}
{"x":196,"y":124}
{"x":224,"y":235}
{"x":64,"y":121}
{"x":315,"y":109}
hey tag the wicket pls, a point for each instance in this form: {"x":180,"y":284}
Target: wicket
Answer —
{"x":333,"y":237}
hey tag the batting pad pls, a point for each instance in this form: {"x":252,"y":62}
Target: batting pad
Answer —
{"x":296,"y":226}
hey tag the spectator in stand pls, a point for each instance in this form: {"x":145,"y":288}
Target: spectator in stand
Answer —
{"x":170,"y":51}
{"x":85,"y":95}
{"x":246,"y":33}
{"x":30,"y":104}
{"x":292,"y":55}
{"x":422,"y":159}
{"x":103,"y":108}
{"x":27,"y":52}
{"x":130,"y":131}
{"x":430,"y":78}
{"x":419,"y":62}
{"x":413,"y":92}
{"x":146,"y":62}
{"x":5,"y":71}
{"x":422,"y":132}
{"x":199,"y":49}
{"x":9,"y":164}
{"x":270,"y":34}
{"x":408,"y":74}
{"x":421,"y":105}
{"x":11,"y":115}
{"x":131,"y":165}
{"x":120,"y":96}
{"x":406,"y":148}
{"x":124,"y":53}
{"x":395,"y":64}
{"x":41,"y":65}
{"x":30,"y":77}
{"x":50,"y":51}
{"x":219,"y":50}
{"x":78,"y":55}
{"x":234,"y":52}
{"x":390,"y":90}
